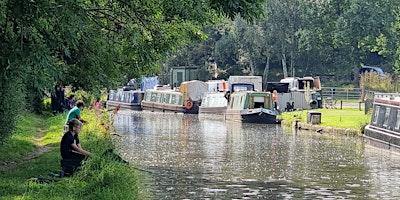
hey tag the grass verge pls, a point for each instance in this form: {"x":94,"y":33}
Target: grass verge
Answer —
{"x":99,"y":178}
{"x":340,"y":118}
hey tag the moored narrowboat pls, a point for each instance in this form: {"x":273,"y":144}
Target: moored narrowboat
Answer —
{"x":251,"y":107}
{"x":384,"y":126}
{"x":163,"y":100}
{"x":126,"y":99}
{"x":185,"y":100}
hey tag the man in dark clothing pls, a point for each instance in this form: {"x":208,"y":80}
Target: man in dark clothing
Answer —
{"x":71,"y":151}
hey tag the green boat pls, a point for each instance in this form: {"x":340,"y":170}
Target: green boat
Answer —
{"x":163,"y":100}
{"x":252,"y":107}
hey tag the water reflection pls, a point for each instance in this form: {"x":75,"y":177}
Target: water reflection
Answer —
{"x":190,"y":158}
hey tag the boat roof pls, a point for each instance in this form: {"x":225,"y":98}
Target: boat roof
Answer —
{"x":250,"y":92}
{"x":388,"y":98}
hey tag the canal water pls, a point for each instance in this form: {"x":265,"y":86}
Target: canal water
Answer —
{"x":197,"y":157}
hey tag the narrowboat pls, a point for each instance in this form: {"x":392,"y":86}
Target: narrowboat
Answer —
{"x":185,"y":100}
{"x":384,"y":126}
{"x":163,"y":100}
{"x":131,"y":95}
{"x":252,"y":107}
{"x":126,"y":99}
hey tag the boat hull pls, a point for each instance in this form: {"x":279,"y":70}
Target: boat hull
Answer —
{"x":126,"y":99}
{"x":212,"y":110}
{"x":381,"y":135}
{"x":251,"y":116}
{"x":123,"y":105}
{"x":154,"y":106}
{"x":168,"y":101}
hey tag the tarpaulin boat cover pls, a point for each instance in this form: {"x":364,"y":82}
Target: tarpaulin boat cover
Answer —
{"x":148,"y":83}
{"x":193,"y":90}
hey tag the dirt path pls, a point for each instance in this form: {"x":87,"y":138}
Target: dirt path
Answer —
{"x":32,"y":155}
{"x":40,"y":149}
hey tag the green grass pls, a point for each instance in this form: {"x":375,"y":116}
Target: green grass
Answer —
{"x":100,"y":177}
{"x":341,"y":118}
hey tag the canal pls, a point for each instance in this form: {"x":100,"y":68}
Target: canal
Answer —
{"x":195,"y":157}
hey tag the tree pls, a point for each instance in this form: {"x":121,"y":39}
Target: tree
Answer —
{"x":94,"y":44}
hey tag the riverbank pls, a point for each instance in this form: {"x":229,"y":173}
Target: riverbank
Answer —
{"x":350,"y":121}
{"x":32,"y":153}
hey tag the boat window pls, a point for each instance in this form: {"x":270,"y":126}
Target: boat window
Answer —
{"x":167,"y":98}
{"x":387,"y":114}
{"x":259,"y":102}
{"x":397,"y":127}
{"x":148,"y":96}
{"x":158,"y":97}
{"x":392,"y":119}
{"x":154,"y":97}
{"x":179,"y":100}
{"x":231,"y":102}
{"x":375,"y":115}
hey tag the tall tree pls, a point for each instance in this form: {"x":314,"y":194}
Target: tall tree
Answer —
{"x":95,"y":43}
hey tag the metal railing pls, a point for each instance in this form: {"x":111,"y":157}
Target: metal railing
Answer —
{"x":337,"y":93}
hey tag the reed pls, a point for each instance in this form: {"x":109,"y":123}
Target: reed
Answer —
{"x":375,"y":82}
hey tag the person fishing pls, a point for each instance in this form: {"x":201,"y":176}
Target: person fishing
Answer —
{"x":75,"y":112}
{"x":71,"y":150}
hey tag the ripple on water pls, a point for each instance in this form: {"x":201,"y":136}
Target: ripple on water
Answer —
{"x":192,"y":158}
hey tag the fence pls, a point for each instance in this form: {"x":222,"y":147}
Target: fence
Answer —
{"x":341,"y":93}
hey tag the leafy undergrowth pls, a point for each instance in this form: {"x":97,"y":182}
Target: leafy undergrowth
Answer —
{"x":99,"y":178}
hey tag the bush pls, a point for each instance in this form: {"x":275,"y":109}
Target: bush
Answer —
{"x":375,"y":82}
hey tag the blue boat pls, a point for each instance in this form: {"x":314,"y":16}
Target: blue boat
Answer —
{"x":126,"y":99}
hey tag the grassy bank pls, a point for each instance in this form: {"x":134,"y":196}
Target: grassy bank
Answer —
{"x":351,"y":118}
{"x":33,"y":152}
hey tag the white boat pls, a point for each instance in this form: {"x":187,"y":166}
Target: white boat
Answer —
{"x":185,"y":100}
{"x":213,"y":103}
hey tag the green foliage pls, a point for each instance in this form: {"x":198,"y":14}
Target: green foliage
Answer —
{"x":249,"y":10}
{"x":92,"y":45}
{"x":332,"y":38}
{"x":100,"y":177}
{"x":375,"y":82}
{"x":11,"y":98}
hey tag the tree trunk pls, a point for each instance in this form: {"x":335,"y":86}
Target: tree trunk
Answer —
{"x":292,"y":64}
{"x":285,"y":73}
{"x":265,"y":74}
{"x":356,"y":75}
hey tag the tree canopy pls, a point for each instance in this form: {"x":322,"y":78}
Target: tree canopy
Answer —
{"x":308,"y":38}
{"x":94,"y":44}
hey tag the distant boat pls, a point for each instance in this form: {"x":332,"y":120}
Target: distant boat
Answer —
{"x":384,"y":126}
{"x":131,"y":95}
{"x":185,"y":100}
{"x":126,"y":99}
{"x":163,"y":100}
{"x":251,"y":107}
{"x":213,"y":103}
